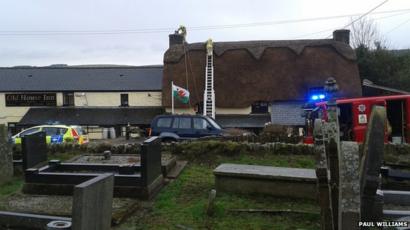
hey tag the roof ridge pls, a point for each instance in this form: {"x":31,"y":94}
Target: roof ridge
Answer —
{"x":84,"y":67}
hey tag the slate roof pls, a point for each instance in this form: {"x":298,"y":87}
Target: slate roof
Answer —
{"x":91,"y":116}
{"x":287,"y":113}
{"x":97,"y":78}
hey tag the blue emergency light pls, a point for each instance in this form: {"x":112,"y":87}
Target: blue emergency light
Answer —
{"x":316,"y":97}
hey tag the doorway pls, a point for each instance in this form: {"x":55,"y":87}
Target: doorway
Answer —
{"x":345,"y":114}
{"x":396,"y":115}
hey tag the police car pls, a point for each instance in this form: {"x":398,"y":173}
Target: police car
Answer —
{"x":55,"y":134}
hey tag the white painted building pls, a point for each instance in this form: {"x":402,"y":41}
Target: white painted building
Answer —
{"x":89,"y":96}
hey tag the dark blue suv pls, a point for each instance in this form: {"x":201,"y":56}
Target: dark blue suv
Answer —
{"x":176,"y":127}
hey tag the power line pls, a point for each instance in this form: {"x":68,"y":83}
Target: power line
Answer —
{"x":333,"y":28}
{"x":193,"y":28}
{"x":398,"y":26}
{"x":364,"y":15}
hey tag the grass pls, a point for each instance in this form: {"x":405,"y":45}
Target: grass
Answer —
{"x":11,"y":187}
{"x":182,"y":203}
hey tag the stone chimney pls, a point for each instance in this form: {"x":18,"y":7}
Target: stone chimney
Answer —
{"x":176,"y":39}
{"x":342,"y":36}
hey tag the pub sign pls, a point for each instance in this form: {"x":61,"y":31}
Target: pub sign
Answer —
{"x":31,"y":99}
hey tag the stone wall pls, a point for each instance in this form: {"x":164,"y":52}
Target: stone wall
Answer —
{"x":6,"y":158}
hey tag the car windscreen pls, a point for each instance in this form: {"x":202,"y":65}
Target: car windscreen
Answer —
{"x":212,"y":121}
{"x":79,"y":130}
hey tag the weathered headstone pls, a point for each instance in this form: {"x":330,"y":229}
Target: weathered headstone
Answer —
{"x":92,"y":203}
{"x":349,"y":186}
{"x":323,"y":189}
{"x":332,"y":146}
{"x":211,"y":203}
{"x":6,"y":157}
{"x":34,"y":149}
{"x":372,"y":158}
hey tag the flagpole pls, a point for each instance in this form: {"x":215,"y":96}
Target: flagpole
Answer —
{"x":172,"y":96}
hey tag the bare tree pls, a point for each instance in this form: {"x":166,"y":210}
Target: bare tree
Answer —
{"x":365,"y":32}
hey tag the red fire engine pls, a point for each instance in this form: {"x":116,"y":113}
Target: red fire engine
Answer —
{"x":354,"y":114}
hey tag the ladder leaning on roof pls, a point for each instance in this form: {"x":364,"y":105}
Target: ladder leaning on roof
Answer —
{"x":209,"y":92}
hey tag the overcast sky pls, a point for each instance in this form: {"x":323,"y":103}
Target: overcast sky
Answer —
{"x":133,"y":32}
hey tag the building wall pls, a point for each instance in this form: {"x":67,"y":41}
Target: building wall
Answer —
{"x":237,"y":111}
{"x":14,"y":114}
{"x":181,"y":110}
{"x":95,"y":99}
{"x":114,"y":98}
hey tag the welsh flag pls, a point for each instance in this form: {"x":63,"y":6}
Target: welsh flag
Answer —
{"x":180,"y":93}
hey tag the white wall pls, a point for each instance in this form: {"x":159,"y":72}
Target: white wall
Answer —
{"x":114,"y":98}
{"x":95,"y":99}
{"x":181,"y":111}
{"x":14,"y":114}
{"x":237,"y":111}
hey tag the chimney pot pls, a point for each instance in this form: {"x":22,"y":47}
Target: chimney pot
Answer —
{"x":176,"y":39}
{"x":342,"y":36}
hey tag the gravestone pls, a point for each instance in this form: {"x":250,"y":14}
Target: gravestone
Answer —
{"x":6,"y":156}
{"x":349,"y":186}
{"x":322,"y":174}
{"x":267,"y":180}
{"x":210,"y":208}
{"x":34,"y":149}
{"x":372,"y":158}
{"x":357,"y":180}
{"x":92,"y":203}
{"x":151,"y":168}
{"x":332,"y":146}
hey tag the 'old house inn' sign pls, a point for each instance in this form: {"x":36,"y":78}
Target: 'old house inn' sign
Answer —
{"x":32,"y":99}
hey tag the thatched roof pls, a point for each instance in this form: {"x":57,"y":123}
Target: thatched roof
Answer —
{"x":251,"y":71}
{"x":257,"y":48}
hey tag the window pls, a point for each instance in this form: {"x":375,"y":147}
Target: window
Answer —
{"x":124,"y":99}
{"x":29,"y":131}
{"x":51,"y":131}
{"x":185,"y":123}
{"x":200,"y":123}
{"x":260,"y":107}
{"x":68,"y":99}
{"x":175,"y":125}
{"x":164,"y":122}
